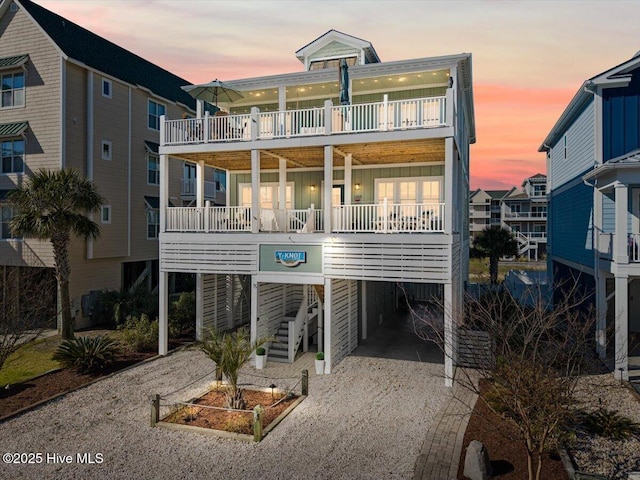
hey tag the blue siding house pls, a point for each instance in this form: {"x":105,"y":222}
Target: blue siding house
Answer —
{"x":593,"y":163}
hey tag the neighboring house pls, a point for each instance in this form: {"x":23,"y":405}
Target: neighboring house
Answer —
{"x":485,"y":209}
{"x":71,"y":99}
{"x":524,"y":212}
{"x":593,"y":164}
{"x":330,"y":201}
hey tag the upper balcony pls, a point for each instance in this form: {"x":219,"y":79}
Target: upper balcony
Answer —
{"x":537,"y":216}
{"x":385,"y":116}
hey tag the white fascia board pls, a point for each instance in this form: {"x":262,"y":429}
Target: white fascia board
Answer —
{"x":579,"y":100}
{"x":355,"y":72}
{"x":328,"y":37}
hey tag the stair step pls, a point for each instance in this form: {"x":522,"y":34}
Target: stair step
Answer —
{"x":279,"y":359}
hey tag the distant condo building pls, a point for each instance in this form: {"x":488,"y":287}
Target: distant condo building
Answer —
{"x":523,"y":210}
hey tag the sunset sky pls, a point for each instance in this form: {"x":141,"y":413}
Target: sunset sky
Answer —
{"x":529,"y":57}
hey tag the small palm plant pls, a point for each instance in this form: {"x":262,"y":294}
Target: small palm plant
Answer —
{"x":230,"y":351}
{"x":86,"y":355}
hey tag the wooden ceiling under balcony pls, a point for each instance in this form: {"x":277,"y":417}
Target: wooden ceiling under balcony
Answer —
{"x":374,"y":153}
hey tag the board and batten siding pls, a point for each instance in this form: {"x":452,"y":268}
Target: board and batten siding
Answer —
{"x":215,"y":311}
{"x":42,"y":109}
{"x":304,"y":197}
{"x":344,"y":319}
{"x":570,"y":224}
{"x":580,"y":150}
{"x":335,"y":49}
{"x":621,"y":118}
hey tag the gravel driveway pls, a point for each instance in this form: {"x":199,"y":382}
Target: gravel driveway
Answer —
{"x":367,"y":420}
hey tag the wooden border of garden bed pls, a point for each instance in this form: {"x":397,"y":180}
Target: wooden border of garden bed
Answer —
{"x":243,"y":437}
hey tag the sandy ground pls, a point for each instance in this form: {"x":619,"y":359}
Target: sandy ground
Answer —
{"x":367,"y":420}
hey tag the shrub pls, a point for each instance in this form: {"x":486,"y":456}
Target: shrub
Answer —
{"x":85,"y":354}
{"x":140,"y":333}
{"x":115,"y":306}
{"x":182,"y":314}
{"x":320,"y":356}
{"x":261,"y":351}
{"x":610,"y":424}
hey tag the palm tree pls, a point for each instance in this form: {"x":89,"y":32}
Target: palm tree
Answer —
{"x":495,"y":242}
{"x":53,"y":205}
{"x":230,"y":351}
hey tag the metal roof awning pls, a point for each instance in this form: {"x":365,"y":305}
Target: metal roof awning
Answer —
{"x":152,"y":147}
{"x":13,"y":129}
{"x":13,"y":62}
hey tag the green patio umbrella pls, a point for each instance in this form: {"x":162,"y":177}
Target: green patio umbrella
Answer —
{"x":213,"y":92}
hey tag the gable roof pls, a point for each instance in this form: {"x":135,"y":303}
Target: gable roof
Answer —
{"x":618,"y":76}
{"x":334,"y":35}
{"x":96,"y":52}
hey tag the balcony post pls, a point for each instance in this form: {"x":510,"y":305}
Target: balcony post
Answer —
{"x":207,"y":216}
{"x":385,"y":112}
{"x":328,"y":108}
{"x":448,"y":105}
{"x":328,"y":186}
{"x":621,"y":254}
{"x":254,"y":123}
{"x":347,"y":178}
{"x":385,"y":214}
{"x":205,"y":128}
{"x":200,"y":184}
{"x":255,"y":191}
{"x":164,"y":191}
{"x":163,"y":140}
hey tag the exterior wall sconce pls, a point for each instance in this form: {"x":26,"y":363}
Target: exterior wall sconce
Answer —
{"x":312,"y":188}
{"x":357,"y":186}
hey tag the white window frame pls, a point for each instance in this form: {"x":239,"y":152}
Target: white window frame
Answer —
{"x":156,"y":224}
{"x":418,"y":180}
{"x":13,"y":90}
{"x":109,"y":150}
{"x":157,"y":116}
{"x":13,"y":170}
{"x":105,"y":209}
{"x":149,"y":156}
{"x":106,"y":82}
{"x":273,"y":185}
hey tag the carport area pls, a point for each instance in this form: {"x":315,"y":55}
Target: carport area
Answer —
{"x":391,"y":323}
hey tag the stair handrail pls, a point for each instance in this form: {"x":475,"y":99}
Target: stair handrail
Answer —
{"x":296,"y":327}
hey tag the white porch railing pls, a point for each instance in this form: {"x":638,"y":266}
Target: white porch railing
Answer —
{"x":382,"y":218}
{"x":208,"y":219}
{"x":425,"y":112}
{"x":607,"y":242}
{"x":387,"y":217}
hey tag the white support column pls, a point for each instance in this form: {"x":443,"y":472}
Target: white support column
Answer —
{"x":363,"y":306}
{"x":320,"y":324}
{"x":328,"y":186}
{"x":328,"y":293}
{"x":164,"y":192}
{"x":163,"y":314}
{"x":200,"y":184}
{"x":348,"y":160}
{"x":601,"y":315}
{"x":282,"y":184}
{"x":254,"y":308}
{"x":255,"y":191}
{"x":622,"y":326}
{"x":199,"y":108}
{"x":199,"y":305}
{"x":621,"y":255}
{"x":449,"y":352}
{"x":448,"y":185}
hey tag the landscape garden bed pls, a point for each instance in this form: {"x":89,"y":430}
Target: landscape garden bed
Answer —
{"x":20,"y":396}
{"x":208,"y":413}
